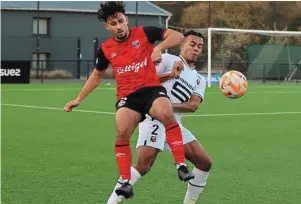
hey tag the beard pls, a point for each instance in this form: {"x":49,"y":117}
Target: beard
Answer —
{"x":121,"y":37}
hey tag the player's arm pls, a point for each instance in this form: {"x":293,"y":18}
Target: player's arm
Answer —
{"x":196,"y":99}
{"x":187,"y":107}
{"x":93,"y":81}
{"x":164,"y":77}
{"x":169,"y":68}
{"x":164,"y":69}
{"x":170,"y":38}
{"x":96,"y":76}
{"x":178,"y":67}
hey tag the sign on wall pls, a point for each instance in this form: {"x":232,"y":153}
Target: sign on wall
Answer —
{"x":215,"y":78}
{"x":15,"y":72}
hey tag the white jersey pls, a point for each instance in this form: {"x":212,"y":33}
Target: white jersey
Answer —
{"x":180,"y":89}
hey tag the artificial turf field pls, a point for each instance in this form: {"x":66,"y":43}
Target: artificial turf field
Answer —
{"x":50,"y":156}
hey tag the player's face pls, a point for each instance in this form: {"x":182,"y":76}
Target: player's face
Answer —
{"x":118,"y":26}
{"x":192,"y":48}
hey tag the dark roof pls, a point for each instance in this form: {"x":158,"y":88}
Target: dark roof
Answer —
{"x":144,"y":7}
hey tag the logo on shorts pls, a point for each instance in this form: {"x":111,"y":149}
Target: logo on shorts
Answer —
{"x":153,"y":139}
{"x":161,"y":93}
{"x":136,"y":44}
{"x":121,"y":102}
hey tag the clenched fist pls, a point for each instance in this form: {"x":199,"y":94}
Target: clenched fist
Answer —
{"x":156,"y":55}
{"x":178,"y":67}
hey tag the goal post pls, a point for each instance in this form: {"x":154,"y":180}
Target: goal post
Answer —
{"x":264,"y":54}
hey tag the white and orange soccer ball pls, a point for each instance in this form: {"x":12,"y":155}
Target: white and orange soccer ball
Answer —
{"x":233,"y":84}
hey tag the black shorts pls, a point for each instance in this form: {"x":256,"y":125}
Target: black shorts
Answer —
{"x":142,"y":99}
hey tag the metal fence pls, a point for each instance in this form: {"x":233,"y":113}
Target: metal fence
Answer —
{"x":61,"y":69}
{"x":280,"y":72}
{"x":81,"y":69}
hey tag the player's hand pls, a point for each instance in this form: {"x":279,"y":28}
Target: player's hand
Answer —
{"x":72,"y":104}
{"x":156,"y":56}
{"x":178,"y":67}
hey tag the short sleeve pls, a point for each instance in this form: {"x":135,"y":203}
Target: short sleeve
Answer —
{"x":154,"y":34}
{"x":101,"y":61}
{"x":166,"y":66}
{"x":201,"y":87}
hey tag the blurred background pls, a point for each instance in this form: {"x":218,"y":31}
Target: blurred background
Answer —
{"x":60,"y":39}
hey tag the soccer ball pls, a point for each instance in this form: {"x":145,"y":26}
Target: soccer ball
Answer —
{"x":233,"y":84}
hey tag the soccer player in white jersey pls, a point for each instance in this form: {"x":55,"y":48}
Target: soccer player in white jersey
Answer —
{"x":186,"y":92}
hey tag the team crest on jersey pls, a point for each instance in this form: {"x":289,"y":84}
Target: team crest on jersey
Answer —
{"x":198,"y":80}
{"x":114,"y":54}
{"x":136,"y":44}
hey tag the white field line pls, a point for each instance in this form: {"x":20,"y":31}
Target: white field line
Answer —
{"x":243,"y":114}
{"x":55,"y":89}
{"x":54,"y":108}
{"x":113,"y":88}
{"x":192,"y":115}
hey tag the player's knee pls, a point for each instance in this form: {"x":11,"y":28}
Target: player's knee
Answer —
{"x":123,"y":134}
{"x":203,"y":164}
{"x":208,"y":164}
{"x":145,"y":169}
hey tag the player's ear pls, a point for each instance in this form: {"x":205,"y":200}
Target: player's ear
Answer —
{"x":182,"y":44}
{"x":107,"y":26}
{"x":126,"y":20}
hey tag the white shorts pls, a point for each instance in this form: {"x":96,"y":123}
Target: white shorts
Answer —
{"x":152,"y":133}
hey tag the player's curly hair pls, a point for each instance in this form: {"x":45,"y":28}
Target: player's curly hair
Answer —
{"x":110,"y":8}
{"x":192,"y":32}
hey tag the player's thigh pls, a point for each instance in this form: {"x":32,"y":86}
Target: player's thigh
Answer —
{"x":126,"y":122}
{"x":162,"y":111}
{"x":151,"y":134}
{"x":186,"y":135}
{"x":150,"y":142}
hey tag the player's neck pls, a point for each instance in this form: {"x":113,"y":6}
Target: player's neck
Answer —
{"x":188,"y":62}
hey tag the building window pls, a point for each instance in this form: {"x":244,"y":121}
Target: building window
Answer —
{"x":43,"y":57}
{"x":43,"y":26}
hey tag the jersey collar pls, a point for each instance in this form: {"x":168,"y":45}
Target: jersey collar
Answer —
{"x":184,"y":61}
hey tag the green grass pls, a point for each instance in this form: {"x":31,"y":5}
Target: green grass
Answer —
{"x":53,"y":157}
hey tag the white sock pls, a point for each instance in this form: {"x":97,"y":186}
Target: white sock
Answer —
{"x":114,"y":198}
{"x":195,"y":186}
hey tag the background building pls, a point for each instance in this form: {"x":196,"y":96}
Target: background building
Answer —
{"x":69,"y":31}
